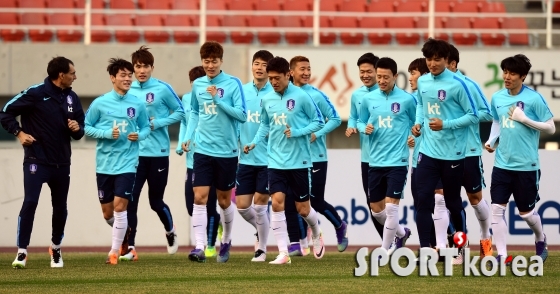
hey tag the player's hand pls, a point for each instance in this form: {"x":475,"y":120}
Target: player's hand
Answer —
{"x":25,"y":139}
{"x":73,"y":125}
{"x":516,"y":114}
{"x":248,"y":148}
{"x":185,"y":146}
{"x":132,"y":137}
{"x":488,"y":148}
{"x":151,"y":123}
{"x":410,"y":141}
{"x":416,"y":130}
{"x":179,"y":150}
{"x":313,"y":138}
{"x":350,"y":131}
{"x":116,"y":133}
{"x":436,"y":124}
{"x":288,"y":132}
{"x":212,"y":90}
{"x":369,"y":129}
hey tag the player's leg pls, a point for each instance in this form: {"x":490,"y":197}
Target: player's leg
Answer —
{"x":501,"y":189}
{"x":33,"y":178}
{"x":142,"y":172}
{"x":189,"y":192}
{"x":427,"y":176}
{"x":224,"y":172}
{"x":213,"y":222}
{"x":377,"y":185}
{"x":318,"y":202}
{"x":441,"y":218}
{"x":202,"y":179}
{"x":365,"y":179}
{"x":294,"y":227}
{"x":396,"y":181}
{"x":260,"y":201}
{"x":244,"y":190}
{"x":59,"y":184}
{"x":123,"y":185}
{"x":452,"y":178}
{"x":278,"y":187}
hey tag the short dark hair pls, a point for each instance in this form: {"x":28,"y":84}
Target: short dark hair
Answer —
{"x":116,"y":64}
{"x":420,"y":65}
{"x":143,"y":56}
{"x":296,"y":59}
{"x":518,"y":64}
{"x":196,"y":72}
{"x":387,"y":63}
{"x":58,"y":65}
{"x":263,"y":55}
{"x":435,"y":48}
{"x":453,"y":54}
{"x":278,"y":64}
{"x":211,"y":49}
{"x":368,"y":58}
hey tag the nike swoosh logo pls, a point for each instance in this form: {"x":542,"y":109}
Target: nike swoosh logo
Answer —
{"x":476,"y":187}
{"x":424,"y":92}
{"x":531,"y":205}
{"x":231,"y":184}
{"x":46,"y":98}
{"x":389,"y":229}
{"x":396,"y":193}
{"x":454,"y":166}
{"x":127,"y":193}
{"x":227,"y":223}
{"x":274,"y":229}
{"x":374,"y":107}
{"x":109,"y":112}
{"x":119,"y":228}
{"x":196,"y":226}
{"x":201,"y":93}
{"x":270,"y":106}
{"x":499,"y":106}
{"x":160,"y":170}
{"x":436,"y":219}
{"x":301,"y":197}
{"x":315,"y":170}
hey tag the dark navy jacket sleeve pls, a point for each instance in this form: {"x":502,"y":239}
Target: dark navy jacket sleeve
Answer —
{"x":20,"y":104}
{"x":79,"y":117}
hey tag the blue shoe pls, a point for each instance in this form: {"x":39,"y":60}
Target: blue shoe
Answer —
{"x":542,"y":249}
{"x":342,"y":237}
{"x":400,"y":242}
{"x":295,"y":250}
{"x":501,"y":258}
{"x":223,"y":256}
{"x":197,"y":255}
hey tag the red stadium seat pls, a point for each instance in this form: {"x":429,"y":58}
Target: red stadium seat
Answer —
{"x":32,"y":3}
{"x":330,"y":5}
{"x":160,"y":36}
{"x":212,"y":21}
{"x":348,"y":22}
{"x":381,"y":6}
{"x":271,"y":5}
{"x":181,"y":21}
{"x":298,"y":5}
{"x":324,"y":37}
{"x":242,"y":5}
{"x":466,"y":6}
{"x":122,"y":4}
{"x":65,"y":19}
{"x":516,"y":23}
{"x":60,"y":3}
{"x":37,"y":35}
{"x":411,"y":6}
{"x":119,"y":20}
{"x":8,"y":3}
{"x":376,"y":23}
{"x":265,"y":21}
{"x":492,"y":39}
{"x":293,"y":22}
{"x":216,"y":5}
{"x":496,"y":7}
{"x":95,"y":4}
{"x":151,"y":4}
{"x":403,"y":23}
{"x":443,"y":6}
{"x":186,"y":4}
{"x":461,"y":23}
{"x":423,"y":24}
{"x":353,"y":5}
{"x":13,"y":35}
{"x":97,"y":35}
{"x":238,"y":21}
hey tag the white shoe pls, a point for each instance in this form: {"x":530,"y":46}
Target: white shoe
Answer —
{"x":318,"y":247}
{"x":282,"y":258}
{"x":172,"y":244}
{"x":459,"y":259}
{"x":256,"y":242}
{"x":20,"y":261}
{"x":260,"y":256}
{"x":56,"y":257}
{"x":392,"y":249}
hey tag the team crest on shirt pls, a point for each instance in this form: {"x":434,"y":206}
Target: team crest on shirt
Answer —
{"x":290,"y":104}
{"x":33,"y":168}
{"x":69,"y":100}
{"x":150,"y":97}
{"x":520,"y":104}
{"x":395,"y":107}
{"x":441,"y":94}
{"x":131,"y":112}
{"x":100,"y":194}
{"x":220,"y":92}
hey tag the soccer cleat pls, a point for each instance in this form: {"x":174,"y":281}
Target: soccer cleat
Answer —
{"x":197,"y":255}
{"x":282,"y":258}
{"x":172,"y":244}
{"x":260,"y":256}
{"x":486,"y":247}
{"x":392,"y":248}
{"x":56,"y":257}
{"x":124,"y":245}
{"x":401,"y":242}
{"x":450,"y":242}
{"x":131,"y":255}
{"x":220,"y":231}
{"x":305,"y":251}
{"x":318,"y":247}
{"x":342,"y":237}
{"x":20,"y":261}
{"x":210,"y":251}
{"x":309,"y":235}
{"x":542,"y":249}
{"x":112,"y":259}
{"x":257,"y":241}
{"x":223,"y":256}
{"x":500,"y":259}
{"x":295,"y":250}
{"x":459,"y":258}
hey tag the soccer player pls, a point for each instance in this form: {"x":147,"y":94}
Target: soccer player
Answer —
{"x":213,"y":215}
{"x":164,"y":108}
{"x":444,"y":112}
{"x":386,"y":116}
{"x":366,"y":65}
{"x":289,"y":117}
{"x":473,"y":178}
{"x":51,"y":115}
{"x":217,"y":107}
{"x":300,"y":70}
{"x":118,"y":121}
{"x":520,"y":115}
{"x":252,"y":174}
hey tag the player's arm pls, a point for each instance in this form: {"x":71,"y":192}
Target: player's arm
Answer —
{"x":363,"y":116}
{"x":494,"y":135}
{"x":411,"y":110}
{"x":483,"y":109}
{"x":419,"y":109}
{"x":20,"y":104}
{"x":143,"y":122}
{"x":192,"y":124}
{"x":239,"y":110}
{"x":329,"y":114}
{"x":79,"y":117}
{"x":353,"y":117}
{"x":313,"y":113}
{"x":183,"y":126}
{"x":543,"y":113}
{"x":264,"y":128}
{"x":465,"y":100}
{"x":92,"y":117}
{"x":173,"y":103}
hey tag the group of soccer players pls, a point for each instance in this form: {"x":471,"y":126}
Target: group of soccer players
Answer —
{"x":267,"y":139}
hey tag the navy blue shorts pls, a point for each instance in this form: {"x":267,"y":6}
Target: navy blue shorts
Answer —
{"x":386,"y":182}
{"x":109,"y":186}
{"x":473,"y":175}
{"x":365,"y":169}
{"x":524,"y":185}
{"x":214,"y":171}
{"x":251,"y":179}
{"x":298,"y":180}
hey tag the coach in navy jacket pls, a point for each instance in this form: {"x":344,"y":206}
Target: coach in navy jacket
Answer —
{"x":51,"y":114}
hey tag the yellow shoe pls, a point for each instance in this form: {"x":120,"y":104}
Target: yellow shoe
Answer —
{"x":220,"y":231}
{"x":486,"y":247}
{"x":112,"y":259}
{"x":210,"y":251}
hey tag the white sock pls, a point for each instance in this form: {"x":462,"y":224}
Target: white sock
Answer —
{"x":533,"y":219}
{"x":22,"y":250}
{"x":53,"y":246}
{"x":228,"y":213}
{"x":110,"y":221}
{"x":313,"y":222}
{"x":120,"y":227}
{"x":499,"y":229}
{"x":280,"y":230}
{"x":391,"y":224}
{"x":249,"y":214}
{"x":263,"y":225}
{"x":171,"y":232}
{"x":199,"y":223}
{"x":381,"y":216}
{"x":482,"y":213}
{"x":303,"y":243}
{"x":441,"y":221}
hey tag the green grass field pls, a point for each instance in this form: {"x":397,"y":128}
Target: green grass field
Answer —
{"x":159,"y":272}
